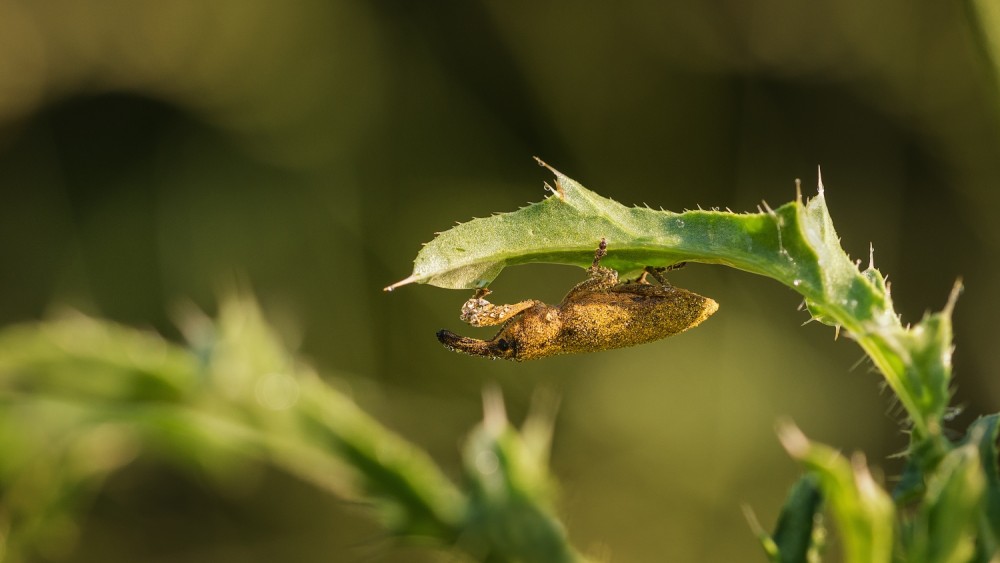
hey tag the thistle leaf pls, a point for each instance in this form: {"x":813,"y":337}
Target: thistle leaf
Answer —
{"x":795,"y":244}
{"x":863,"y":512}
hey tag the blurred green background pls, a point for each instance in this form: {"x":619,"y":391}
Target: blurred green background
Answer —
{"x":152,"y":154}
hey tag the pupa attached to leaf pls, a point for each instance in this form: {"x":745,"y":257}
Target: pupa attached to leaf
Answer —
{"x":599,"y":313}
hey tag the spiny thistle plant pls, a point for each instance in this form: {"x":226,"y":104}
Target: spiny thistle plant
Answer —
{"x":91,"y":387}
{"x":946,"y":507}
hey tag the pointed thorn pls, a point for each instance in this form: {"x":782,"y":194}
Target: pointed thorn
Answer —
{"x":494,"y":414}
{"x":793,"y":440}
{"x":860,"y":361}
{"x":956,"y":290}
{"x":401,"y":283}
{"x":819,"y":179}
{"x":543,"y":164}
{"x":752,"y":521}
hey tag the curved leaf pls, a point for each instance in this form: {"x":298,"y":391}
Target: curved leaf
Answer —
{"x":795,"y":244}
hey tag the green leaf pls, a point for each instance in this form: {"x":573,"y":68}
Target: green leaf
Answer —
{"x":799,"y":535}
{"x":983,"y":435}
{"x":510,"y":502}
{"x":944,"y":528}
{"x":79,"y":397}
{"x":863,"y":512}
{"x":795,"y":244}
{"x":80,"y":357}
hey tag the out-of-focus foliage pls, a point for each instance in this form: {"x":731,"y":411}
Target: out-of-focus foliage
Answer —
{"x":92,"y":394}
{"x":152,"y":152}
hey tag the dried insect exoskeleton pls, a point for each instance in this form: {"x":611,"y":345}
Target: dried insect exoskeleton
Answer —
{"x":599,"y":313}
